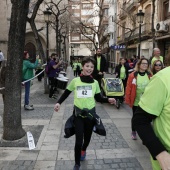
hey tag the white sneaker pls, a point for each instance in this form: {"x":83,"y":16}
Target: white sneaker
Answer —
{"x":28,"y":107}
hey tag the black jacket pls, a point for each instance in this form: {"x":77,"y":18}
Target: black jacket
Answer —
{"x":102,"y":66}
{"x":117,"y":70}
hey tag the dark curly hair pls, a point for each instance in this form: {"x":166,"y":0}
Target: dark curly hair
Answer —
{"x":87,"y":60}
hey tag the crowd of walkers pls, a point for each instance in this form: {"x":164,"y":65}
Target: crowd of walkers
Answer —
{"x":136,"y":75}
{"x":147,"y":92}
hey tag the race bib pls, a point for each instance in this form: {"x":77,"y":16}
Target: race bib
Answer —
{"x":84,"y":91}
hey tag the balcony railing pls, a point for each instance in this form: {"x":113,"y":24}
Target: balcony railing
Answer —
{"x":145,"y":30}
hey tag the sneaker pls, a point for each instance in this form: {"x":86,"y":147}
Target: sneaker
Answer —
{"x":83,"y":155}
{"x":133,"y":135}
{"x":28,"y":107}
{"x":53,"y":97}
{"x":76,"y":167}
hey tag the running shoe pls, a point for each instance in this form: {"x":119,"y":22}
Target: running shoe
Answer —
{"x":76,"y":167}
{"x":83,"y":155}
{"x":133,"y":135}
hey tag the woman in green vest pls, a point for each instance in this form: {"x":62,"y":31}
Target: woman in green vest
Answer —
{"x":75,"y":63}
{"x":86,"y":91}
{"x":137,"y":81}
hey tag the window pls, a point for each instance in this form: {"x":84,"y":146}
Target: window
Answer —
{"x":76,"y":14}
{"x":86,"y":37}
{"x":166,"y":10}
{"x":75,"y":38}
{"x":147,"y":18}
{"x":87,"y":12}
{"x":87,"y":6}
{"x":106,"y":11}
{"x":75,"y":6}
{"x":75,"y":45}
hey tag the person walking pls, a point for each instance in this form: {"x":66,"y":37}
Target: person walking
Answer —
{"x":156,"y":56}
{"x":86,"y":90}
{"x":136,"y":83}
{"x":75,"y":67}
{"x":157,"y":66}
{"x":152,"y":118}
{"x":121,"y":71}
{"x":27,"y":73}
{"x":53,"y":67}
{"x":135,"y":60}
{"x":39,"y":69}
{"x":79,"y":67}
{"x":100,"y":66}
{"x":1,"y":57}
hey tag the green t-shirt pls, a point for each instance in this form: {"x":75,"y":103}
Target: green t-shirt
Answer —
{"x":156,"y":101}
{"x":122,"y":73}
{"x":154,"y":59}
{"x":80,"y":65}
{"x":74,"y":66}
{"x":98,"y":63}
{"x":142,"y":82}
{"x":84,"y":93}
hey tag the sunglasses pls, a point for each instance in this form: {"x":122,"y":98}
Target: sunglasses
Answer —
{"x":158,"y":65}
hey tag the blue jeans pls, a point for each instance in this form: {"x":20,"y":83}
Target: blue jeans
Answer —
{"x":27,"y":92}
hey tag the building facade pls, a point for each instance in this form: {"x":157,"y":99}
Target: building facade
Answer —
{"x":82,"y":23}
{"x":154,"y":28}
{"x":30,"y":39}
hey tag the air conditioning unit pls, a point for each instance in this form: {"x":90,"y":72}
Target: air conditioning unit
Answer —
{"x":162,"y":27}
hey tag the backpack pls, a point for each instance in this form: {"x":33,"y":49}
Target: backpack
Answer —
{"x":47,"y":68}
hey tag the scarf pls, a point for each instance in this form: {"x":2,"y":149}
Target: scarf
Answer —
{"x":86,"y":79}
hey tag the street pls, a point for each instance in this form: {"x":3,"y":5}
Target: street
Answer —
{"x":116,"y":151}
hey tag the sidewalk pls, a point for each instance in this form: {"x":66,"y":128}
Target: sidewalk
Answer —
{"x":116,"y":151}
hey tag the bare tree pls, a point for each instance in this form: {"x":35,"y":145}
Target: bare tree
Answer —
{"x":57,"y":9}
{"x":12,"y":105}
{"x":31,"y":20}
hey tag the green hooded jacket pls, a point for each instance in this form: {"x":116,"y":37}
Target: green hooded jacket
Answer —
{"x":27,"y":69}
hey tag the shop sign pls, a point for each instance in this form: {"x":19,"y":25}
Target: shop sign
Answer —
{"x":118,"y":47}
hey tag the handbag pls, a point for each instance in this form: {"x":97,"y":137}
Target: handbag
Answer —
{"x":99,"y":127}
{"x":69,"y":128}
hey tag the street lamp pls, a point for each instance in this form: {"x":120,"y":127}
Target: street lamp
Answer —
{"x":47,"y":14}
{"x":140,"y":17}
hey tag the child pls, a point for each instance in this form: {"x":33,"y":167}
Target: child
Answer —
{"x":86,"y":90}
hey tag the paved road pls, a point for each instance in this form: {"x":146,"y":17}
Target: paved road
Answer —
{"x":116,"y":151}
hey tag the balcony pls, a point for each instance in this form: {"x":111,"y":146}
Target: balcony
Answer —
{"x":131,"y":4}
{"x":145,"y":32}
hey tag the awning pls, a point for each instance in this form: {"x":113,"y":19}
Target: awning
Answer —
{"x":132,"y":46}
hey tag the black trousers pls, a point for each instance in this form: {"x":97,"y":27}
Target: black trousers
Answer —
{"x":133,"y":111}
{"x":53,"y":84}
{"x":99,"y":79}
{"x":41,"y":75}
{"x":83,"y":132}
{"x":75,"y":73}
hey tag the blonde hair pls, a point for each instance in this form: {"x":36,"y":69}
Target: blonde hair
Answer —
{"x":153,"y":66}
{"x":137,"y":67}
